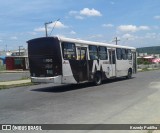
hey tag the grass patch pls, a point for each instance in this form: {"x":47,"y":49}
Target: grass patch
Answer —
{"x":2,"y":68}
{"x":150,"y":131}
{"x":145,"y":69}
{"x":148,"y":69}
{"x":16,"y":85}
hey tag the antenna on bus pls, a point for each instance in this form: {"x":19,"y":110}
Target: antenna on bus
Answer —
{"x":54,"y":26}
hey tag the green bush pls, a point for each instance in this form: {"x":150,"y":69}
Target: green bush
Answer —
{"x":145,"y":69}
{"x":2,"y":67}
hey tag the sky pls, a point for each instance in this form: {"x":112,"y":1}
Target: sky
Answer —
{"x":134,"y":22}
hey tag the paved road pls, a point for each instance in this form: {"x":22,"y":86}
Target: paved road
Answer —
{"x":115,"y":102}
{"x":14,"y":76}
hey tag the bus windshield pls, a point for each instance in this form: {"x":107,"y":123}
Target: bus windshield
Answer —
{"x":42,"y":46}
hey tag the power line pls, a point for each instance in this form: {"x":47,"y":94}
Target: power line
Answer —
{"x":54,"y":26}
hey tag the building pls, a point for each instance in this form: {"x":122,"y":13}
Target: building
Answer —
{"x":17,"y":60}
{"x":153,"y":58}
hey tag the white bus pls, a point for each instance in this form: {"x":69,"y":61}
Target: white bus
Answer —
{"x":71,"y":61}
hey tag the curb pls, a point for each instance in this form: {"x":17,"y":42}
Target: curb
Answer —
{"x":17,"y":82}
{"x":14,"y":71}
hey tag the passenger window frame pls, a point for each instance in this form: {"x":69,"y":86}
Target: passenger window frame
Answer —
{"x":102,"y":53}
{"x":71,"y":55}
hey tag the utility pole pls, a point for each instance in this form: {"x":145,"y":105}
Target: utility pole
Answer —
{"x":46,"y":27}
{"x":116,"y":40}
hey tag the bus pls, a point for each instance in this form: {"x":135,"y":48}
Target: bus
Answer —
{"x":71,"y":61}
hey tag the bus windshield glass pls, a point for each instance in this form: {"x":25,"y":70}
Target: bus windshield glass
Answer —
{"x":44,"y":57}
{"x":42,"y":46}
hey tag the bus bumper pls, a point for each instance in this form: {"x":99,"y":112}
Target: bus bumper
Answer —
{"x":57,"y":79}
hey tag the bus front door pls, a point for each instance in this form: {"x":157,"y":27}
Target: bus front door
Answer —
{"x":82,"y":64}
{"x":112,"y":62}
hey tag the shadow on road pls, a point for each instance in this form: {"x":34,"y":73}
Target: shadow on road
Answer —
{"x":72,"y":87}
{"x":64,"y":88}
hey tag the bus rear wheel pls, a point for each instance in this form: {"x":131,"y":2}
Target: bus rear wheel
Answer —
{"x":98,"y":78}
{"x":129,"y":76}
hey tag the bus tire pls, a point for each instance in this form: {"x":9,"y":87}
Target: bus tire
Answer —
{"x":98,"y":78}
{"x":129,"y":75}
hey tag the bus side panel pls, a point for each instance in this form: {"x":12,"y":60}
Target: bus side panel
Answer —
{"x":68,"y":72}
{"x":122,"y":67}
{"x":72,"y":72}
{"x":79,"y":70}
{"x":101,"y":66}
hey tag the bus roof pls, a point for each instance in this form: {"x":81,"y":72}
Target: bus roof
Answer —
{"x":93,"y":43}
{"x":79,"y":41}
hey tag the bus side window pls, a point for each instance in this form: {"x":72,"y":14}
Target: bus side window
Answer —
{"x":119,"y":53}
{"x":129,"y":54}
{"x":124,"y":54}
{"x":81,"y":53}
{"x":69,"y":51}
{"x":93,"y":53}
{"x":103,"y":53}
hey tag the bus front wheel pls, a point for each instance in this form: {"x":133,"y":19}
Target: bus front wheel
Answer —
{"x":98,"y":78}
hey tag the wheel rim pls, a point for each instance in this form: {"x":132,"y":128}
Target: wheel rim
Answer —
{"x":129,"y":74}
{"x":98,"y":79}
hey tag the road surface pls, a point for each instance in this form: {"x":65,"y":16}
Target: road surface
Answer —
{"x":117,"y":101}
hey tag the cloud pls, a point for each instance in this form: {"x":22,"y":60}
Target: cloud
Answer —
{"x":128,"y":37}
{"x":40,"y":29}
{"x":132,"y":28}
{"x":155,"y":27}
{"x":73,"y":32}
{"x":108,"y":25}
{"x":79,"y":17}
{"x":143,"y":28}
{"x":76,"y":14}
{"x":151,"y":35}
{"x":127,"y":28}
{"x":56,"y":24}
{"x":90,"y":12}
{"x":157,"y":17}
{"x":85,"y":12}
{"x":96,"y":36}
{"x":73,"y":12}
{"x":60,"y":35}
{"x":13,"y":38}
{"x":32,"y":33}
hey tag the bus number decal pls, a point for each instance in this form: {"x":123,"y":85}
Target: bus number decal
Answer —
{"x":47,"y":60}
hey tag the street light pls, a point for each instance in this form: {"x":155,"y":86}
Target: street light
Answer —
{"x":46,"y":27}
